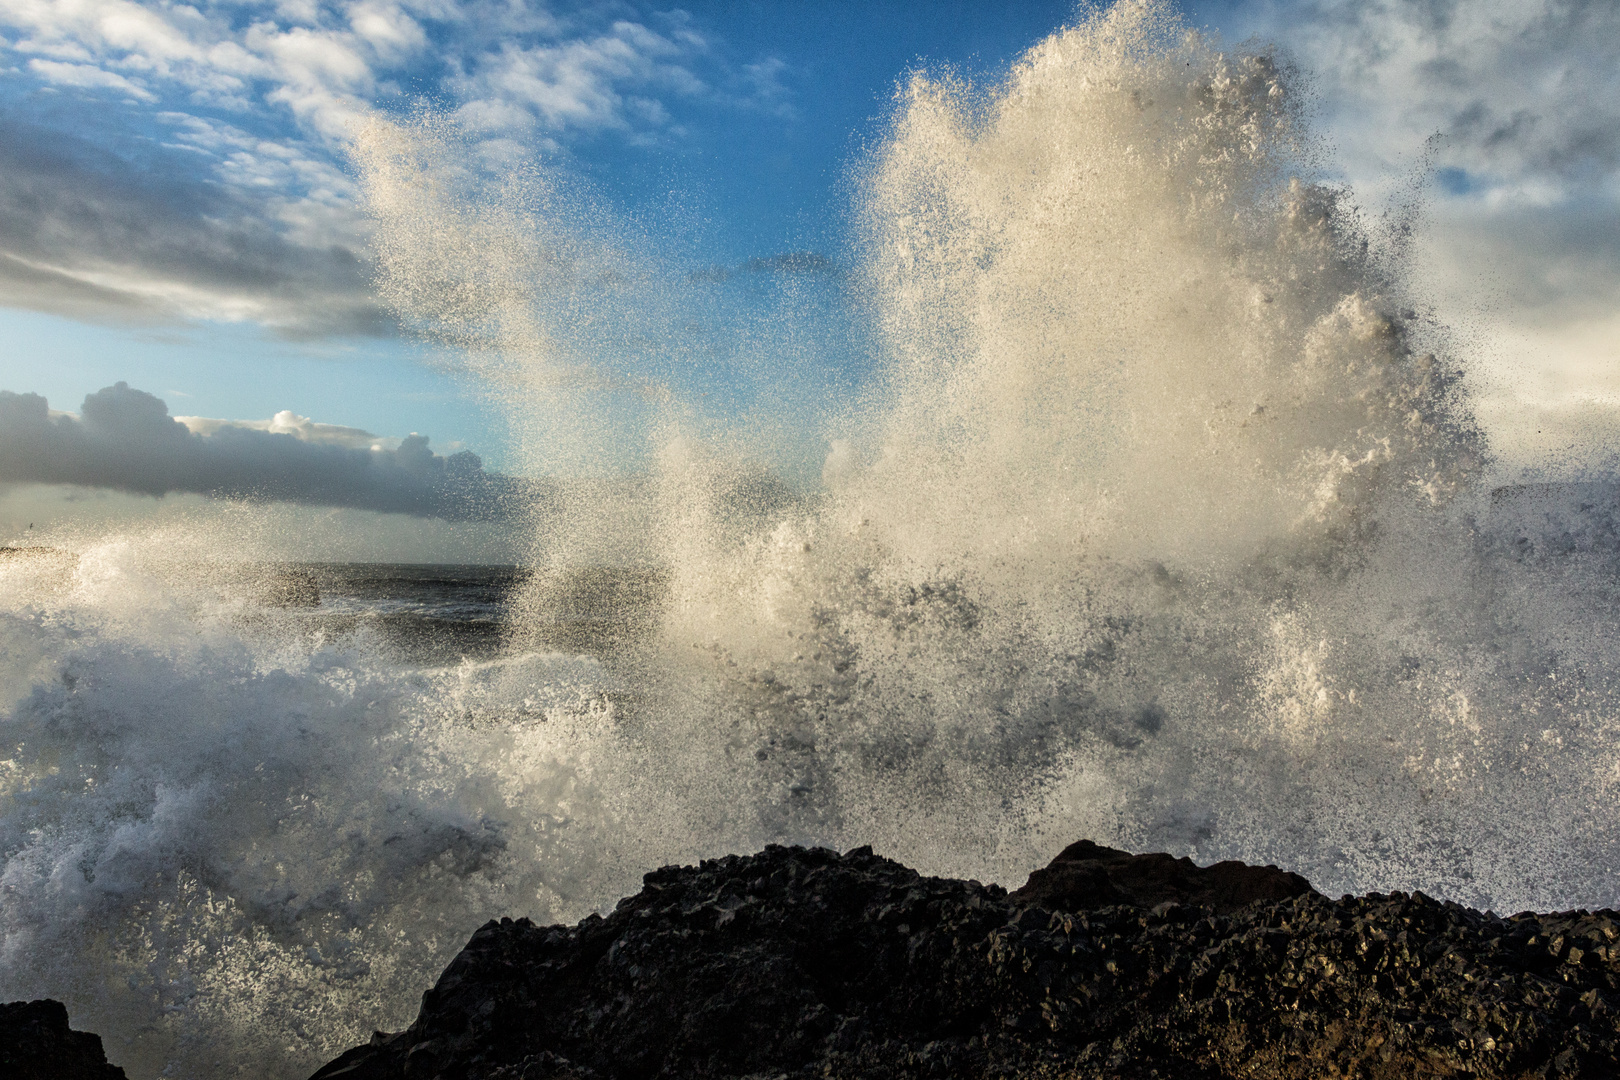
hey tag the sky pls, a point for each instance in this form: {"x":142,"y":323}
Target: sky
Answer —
{"x":179,"y":212}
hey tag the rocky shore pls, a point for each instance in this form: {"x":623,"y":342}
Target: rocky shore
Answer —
{"x":800,"y":963}
{"x":37,"y":1044}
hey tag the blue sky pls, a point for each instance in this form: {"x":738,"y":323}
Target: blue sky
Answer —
{"x":739,"y":119}
{"x":177,"y":211}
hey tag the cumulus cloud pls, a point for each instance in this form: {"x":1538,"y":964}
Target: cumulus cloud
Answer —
{"x":87,"y":75}
{"x":1518,"y":244}
{"x":607,"y":80}
{"x":126,"y":440}
{"x":287,"y":422}
{"x":316,"y":59}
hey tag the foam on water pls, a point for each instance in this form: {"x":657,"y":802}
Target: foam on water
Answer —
{"x":229,"y":846}
{"x":1167,"y":525}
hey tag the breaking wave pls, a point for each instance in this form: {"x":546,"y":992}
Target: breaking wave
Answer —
{"x":1165,"y":524}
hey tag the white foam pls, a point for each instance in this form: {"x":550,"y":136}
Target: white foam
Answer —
{"x":229,"y":851}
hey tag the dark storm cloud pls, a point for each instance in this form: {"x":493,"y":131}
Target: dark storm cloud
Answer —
{"x":126,"y":440}
{"x":88,"y":233}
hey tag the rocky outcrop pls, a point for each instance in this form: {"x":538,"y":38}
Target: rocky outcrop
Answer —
{"x":803,"y":963}
{"x":37,"y":1044}
{"x":1087,"y":875}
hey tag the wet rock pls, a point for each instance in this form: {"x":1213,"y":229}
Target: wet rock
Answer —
{"x":1087,"y":875}
{"x":37,"y":1044}
{"x":806,"y":963}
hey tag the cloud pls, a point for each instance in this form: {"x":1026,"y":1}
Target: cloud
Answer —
{"x":87,"y":75}
{"x":288,"y":422}
{"x":126,"y":440}
{"x":189,"y":160}
{"x":89,"y":234}
{"x":318,"y":61}
{"x":1525,"y":92}
{"x":599,"y":82}
{"x":1516,"y":245}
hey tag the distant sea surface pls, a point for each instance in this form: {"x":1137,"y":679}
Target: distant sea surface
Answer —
{"x":435,"y":614}
{"x":427,"y":614}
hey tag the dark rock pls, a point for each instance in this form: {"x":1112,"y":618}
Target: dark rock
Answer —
{"x":1087,"y":875}
{"x":37,"y":1044}
{"x":805,"y":963}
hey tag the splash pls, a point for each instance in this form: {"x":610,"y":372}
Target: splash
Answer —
{"x":1166,"y":524}
{"x":1170,"y":527}
{"x":229,"y":841}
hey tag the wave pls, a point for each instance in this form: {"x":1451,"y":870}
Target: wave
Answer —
{"x":1165,"y":524}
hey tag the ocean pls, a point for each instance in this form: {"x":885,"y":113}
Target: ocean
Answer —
{"x":423,"y":614}
{"x":1164,"y":523}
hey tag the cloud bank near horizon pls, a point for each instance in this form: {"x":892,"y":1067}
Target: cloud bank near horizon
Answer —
{"x":125,"y":439}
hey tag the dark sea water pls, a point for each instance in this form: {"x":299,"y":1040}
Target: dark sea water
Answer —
{"x":426,"y":614}
{"x":438,"y":614}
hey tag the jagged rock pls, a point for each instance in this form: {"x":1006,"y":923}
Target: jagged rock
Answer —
{"x":37,"y":1044}
{"x":1087,"y":875}
{"x":805,"y":963}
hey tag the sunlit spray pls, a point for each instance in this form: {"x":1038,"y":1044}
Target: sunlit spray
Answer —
{"x":1165,"y":523}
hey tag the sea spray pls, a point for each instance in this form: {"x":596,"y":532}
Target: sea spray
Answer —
{"x":230,"y":843}
{"x":1164,"y":524}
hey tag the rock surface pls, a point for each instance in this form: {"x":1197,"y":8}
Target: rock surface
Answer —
{"x":37,"y":1044}
{"x":800,"y":963}
{"x":1087,"y":875}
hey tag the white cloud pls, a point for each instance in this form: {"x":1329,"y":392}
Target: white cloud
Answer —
{"x":125,"y":440}
{"x":1525,"y":92}
{"x":88,"y":76}
{"x":391,"y":33}
{"x":262,"y":96}
{"x":1520,"y":250}
{"x":586,"y":83}
{"x":302,"y":428}
{"x":323,"y":61}
{"x":764,"y":81}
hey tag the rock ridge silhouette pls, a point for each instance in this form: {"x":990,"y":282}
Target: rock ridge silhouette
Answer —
{"x":37,"y":1044}
{"x":803,"y":962}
